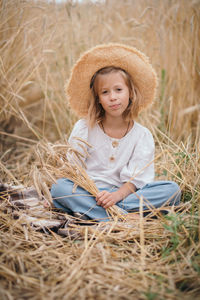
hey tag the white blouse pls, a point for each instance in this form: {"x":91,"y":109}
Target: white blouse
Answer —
{"x":112,"y":162}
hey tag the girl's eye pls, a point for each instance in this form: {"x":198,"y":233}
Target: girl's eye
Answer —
{"x":119,"y":89}
{"x":104,"y":92}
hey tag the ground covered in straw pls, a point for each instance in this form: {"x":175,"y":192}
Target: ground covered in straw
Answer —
{"x":146,"y":259}
{"x":155,"y":257}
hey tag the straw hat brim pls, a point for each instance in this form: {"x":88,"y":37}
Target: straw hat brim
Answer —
{"x":127,"y":58}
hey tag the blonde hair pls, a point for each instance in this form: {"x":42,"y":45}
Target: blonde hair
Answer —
{"x":96,"y":112}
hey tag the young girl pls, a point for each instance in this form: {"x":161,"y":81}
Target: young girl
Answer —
{"x":109,"y":86}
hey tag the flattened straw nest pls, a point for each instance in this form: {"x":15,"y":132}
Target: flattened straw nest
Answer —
{"x":62,"y":161}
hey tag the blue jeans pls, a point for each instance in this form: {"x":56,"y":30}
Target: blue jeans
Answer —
{"x":155,"y":194}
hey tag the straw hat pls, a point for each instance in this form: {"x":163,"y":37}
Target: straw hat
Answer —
{"x":128,"y":58}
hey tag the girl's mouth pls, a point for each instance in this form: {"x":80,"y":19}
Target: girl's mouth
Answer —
{"x":115,"y":106}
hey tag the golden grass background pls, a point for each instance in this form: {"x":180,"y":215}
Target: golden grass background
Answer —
{"x":39,"y":42}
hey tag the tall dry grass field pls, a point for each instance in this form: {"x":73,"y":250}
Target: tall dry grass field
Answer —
{"x":39,"y":43}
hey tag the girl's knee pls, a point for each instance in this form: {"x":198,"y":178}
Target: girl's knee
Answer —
{"x":54,"y":189}
{"x":175,"y":192}
{"x":59,"y":191}
{"x":174,"y":187}
{"x":60,"y":187}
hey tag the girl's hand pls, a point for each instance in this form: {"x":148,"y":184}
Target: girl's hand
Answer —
{"x":107,"y":199}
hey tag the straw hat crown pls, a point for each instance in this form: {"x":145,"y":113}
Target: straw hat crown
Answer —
{"x":125,"y":57}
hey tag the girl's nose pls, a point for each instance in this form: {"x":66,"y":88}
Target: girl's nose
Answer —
{"x":113,"y":96}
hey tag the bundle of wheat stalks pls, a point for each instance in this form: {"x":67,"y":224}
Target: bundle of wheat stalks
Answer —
{"x":61,"y":160}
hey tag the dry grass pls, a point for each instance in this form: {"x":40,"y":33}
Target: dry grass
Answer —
{"x":145,"y":259}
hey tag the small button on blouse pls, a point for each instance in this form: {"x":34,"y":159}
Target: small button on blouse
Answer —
{"x":115,"y":144}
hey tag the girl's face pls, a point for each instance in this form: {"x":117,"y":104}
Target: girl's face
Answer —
{"x":113,"y":93}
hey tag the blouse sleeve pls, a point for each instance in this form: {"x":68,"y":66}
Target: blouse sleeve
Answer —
{"x":77,"y":137}
{"x":140,"y":168}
